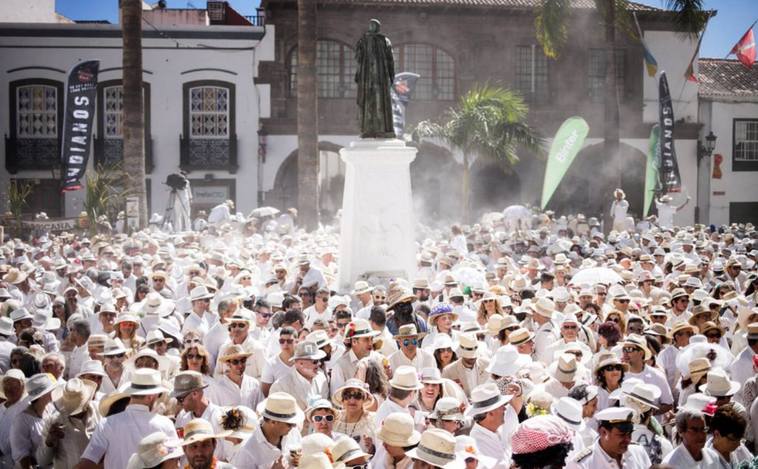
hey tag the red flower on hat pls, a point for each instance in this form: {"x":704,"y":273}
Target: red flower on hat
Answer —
{"x":710,"y":409}
{"x":351,"y":330}
{"x":470,"y":449}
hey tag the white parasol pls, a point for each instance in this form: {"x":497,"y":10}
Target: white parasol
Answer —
{"x":261,"y":212}
{"x":595,"y":275}
{"x":517,"y":211}
{"x":716,"y":354}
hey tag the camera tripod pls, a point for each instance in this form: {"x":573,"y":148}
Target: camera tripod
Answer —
{"x":168,"y":217}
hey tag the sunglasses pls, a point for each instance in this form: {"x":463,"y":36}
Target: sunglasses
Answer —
{"x":602,"y":294}
{"x":286,"y":341}
{"x":446,"y":350}
{"x":713,"y":336}
{"x":321,"y":418}
{"x":577,"y":354}
{"x":158,"y":280}
{"x":635,"y":330}
{"x":358,"y":396}
{"x":407,"y":342}
{"x":623,"y":301}
{"x":380,"y":297}
{"x":191,"y":341}
{"x":488,"y":301}
{"x":113,"y":357}
{"x":238,"y":361}
{"x":157,"y":344}
{"x":194,"y":356}
{"x":362,"y":466}
{"x":614,"y":367}
{"x":127,"y":324}
{"x":181,"y":399}
{"x":342,"y":325}
{"x":631,"y":349}
{"x":266,"y":315}
{"x":238,"y":325}
{"x":325,"y":300}
{"x":571,"y":328}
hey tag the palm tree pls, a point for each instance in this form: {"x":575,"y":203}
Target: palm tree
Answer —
{"x":134,"y":112}
{"x":552,"y":24}
{"x":307,"y":115}
{"x":487,"y":123}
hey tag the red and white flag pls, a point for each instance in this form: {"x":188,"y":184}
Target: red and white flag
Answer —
{"x":745,"y":49}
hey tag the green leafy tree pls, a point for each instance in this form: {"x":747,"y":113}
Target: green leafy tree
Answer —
{"x":104,"y":195}
{"x":552,"y":27}
{"x":486,"y":123}
{"x":15,"y":199}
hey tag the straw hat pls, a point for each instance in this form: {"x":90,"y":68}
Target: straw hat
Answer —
{"x":468,"y":346}
{"x":566,"y":369}
{"x":164,"y":362}
{"x":638,"y":341}
{"x":15,"y":276}
{"x":145,"y":382}
{"x":40,"y":385}
{"x":408,"y":330}
{"x":437,"y":447}
{"x":233,"y":351}
{"x":186,"y":382}
{"x":698,"y":368}
{"x":73,"y":397}
{"x":438,"y":311}
{"x":200,"y":293}
{"x":719,"y":384}
{"x":200,"y":430}
{"x":484,"y":398}
{"x":544,"y":307}
{"x":114,"y":347}
{"x":406,"y":378}
{"x":398,"y":294}
{"x":447,"y":408}
{"x":709,"y":326}
{"x":282,"y":407}
{"x":346,"y":450}
{"x":681,"y":326}
{"x":507,"y":361}
{"x":319,"y":461}
{"x":156,"y":336}
{"x":154,"y":449}
{"x":520,"y":336}
{"x":241,"y":421}
{"x":643,"y":393}
{"x":306,"y":350}
{"x":359,"y":328}
{"x":354,"y":384}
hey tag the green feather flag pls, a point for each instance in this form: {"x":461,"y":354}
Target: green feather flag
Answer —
{"x":566,"y":144}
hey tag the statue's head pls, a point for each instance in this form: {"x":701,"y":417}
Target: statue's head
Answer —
{"x":374,"y":25}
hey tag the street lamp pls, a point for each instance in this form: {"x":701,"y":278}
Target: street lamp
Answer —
{"x":710,"y":145}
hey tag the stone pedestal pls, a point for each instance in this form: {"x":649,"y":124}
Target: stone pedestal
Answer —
{"x":378,"y":226}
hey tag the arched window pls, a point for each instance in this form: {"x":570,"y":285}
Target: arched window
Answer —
{"x":335,"y":67}
{"x":436,"y":67}
{"x":37,"y":111}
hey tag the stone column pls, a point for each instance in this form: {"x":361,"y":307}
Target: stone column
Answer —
{"x":378,"y":225}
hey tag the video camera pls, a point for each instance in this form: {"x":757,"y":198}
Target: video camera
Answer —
{"x":176,"y":182}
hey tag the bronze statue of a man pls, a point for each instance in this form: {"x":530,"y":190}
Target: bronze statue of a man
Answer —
{"x":374,"y":76}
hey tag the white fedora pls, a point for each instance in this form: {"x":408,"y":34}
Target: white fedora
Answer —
{"x":570,"y":411}
{"x":643,"y":393}
{"x":359,"y":328}
{"x":91,"y":367}
{"x":145,"y":382}
{"x":282,"y":407}
{"x":319,"y":461}
{"x":153,"y":450}
{"x":398,"y":430}
{"x":200,"y":293}
{"x":468,"y":347}
{"x":6,"y":326}
{"x":406,"y":378}
{"x":437,"y":447}
{"x":719,"y":384}
{"x":40,"y":385}
{"x":484,"y":398}
{"x":507,"y":361}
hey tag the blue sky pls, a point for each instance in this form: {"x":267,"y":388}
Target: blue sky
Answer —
{"x":733,"y":19}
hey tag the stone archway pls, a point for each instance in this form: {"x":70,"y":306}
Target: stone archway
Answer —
{"x":581,"y":190}
{"x":331,"y":184}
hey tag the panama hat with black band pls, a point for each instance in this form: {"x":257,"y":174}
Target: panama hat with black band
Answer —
{"x":484,"y":398}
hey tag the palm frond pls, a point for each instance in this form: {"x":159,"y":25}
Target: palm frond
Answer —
{"x":551,"y":25}
{"x":689,"y":17}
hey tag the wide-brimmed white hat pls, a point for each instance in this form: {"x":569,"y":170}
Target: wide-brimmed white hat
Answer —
{"x":318,"y":460}
{"x":442,"y":341}
{"x":566,"y":369}
{"x":359,"y":328}
{"x":354,"y":384}
{"x":40,"y":385}
{"x":200,"y":430}
{"x":240,"y":420}
{"x":447,"y":408}
{"x":154,"y":449}
{"x":163,"y":361}
{"x":281,"y":407}
{"x":114,"y":347}
{"x":200,"y":293}
{"x":21,"y":314}
{"x":507,"y":361}
{"x":398,"y":430}
{"x":43,"y":319}
{"x":643,"y":393}
{"x":570,"y":411}
{"x":719,"y":384}
{"x":485,"y":398}
{"x":437,"y":447}
{"x":406,"y":378}
{"x":74,"y":396}
{"x":544,"y":307}
{"x":145,"y":382}
{"x":91,"y":367}
{"x":361,"y":286}
{"x":468,"y":346}
{"x":306,"y":350}
{"x":466,"y":447}
{"x":346,"y":450}
{"x":156,"y":336}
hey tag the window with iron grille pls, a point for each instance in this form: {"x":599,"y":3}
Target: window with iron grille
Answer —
{"x":209,"y":112}
{"x":435,"y":67}
{"x":532,"y":73}
{"x":114,"y":101}
{"x":596,"y":74}
{"x":745,"y":147}
{"x":36,"y":111}
{"x":335,"y":68}
{"x":216,"y":11}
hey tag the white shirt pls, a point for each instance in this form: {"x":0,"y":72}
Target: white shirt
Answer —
{"x":311,"y":315}
{"x":214,"y":338}
{"x":423,"y":359}
{"x":619,"y":210}
{"x":665,"y":215}
{"x":645,"y":438}
{"x":742,"y":370}
{"x":680,"y":458}
{"x":390,"y":407}
{"x":7,"y":417}
{"x":26,"y":433}
{"x":198,"y":323}
{"x":667,"y":359}
{"x":255,"y":363}
{"x":211,"y":414}
{"x":304,"y":391}
{"x":491,"y":445}
{"x":258,"y":453}
{"x":634,"y":458}
{"x":275,"y":369}
{"x":125,"y":430}
{"x":225,"y":392}
{"x":656,"y":377}
{"x":219,"y":213}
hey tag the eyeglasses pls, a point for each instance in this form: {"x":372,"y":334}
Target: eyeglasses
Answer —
{"x":191,"y":341}
{"x":321,"y":418}
{"x":713,"y":336}
{"x":286,"y":341}
{"x":238,"y":361}
{"x":630,"y":349}
{"x":358,"y":396}
{"x":635,"y":330}
{"x":194,"y":356}
{"x":446,"y":350}
{"x":407,"y":342}
{"x":305,"y":295}
{"x":342,"y":325}
{"x":113,"y":357}
{"x":697,"y":430}
{"x":618,"y":367}
{"x":488,"y":301}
